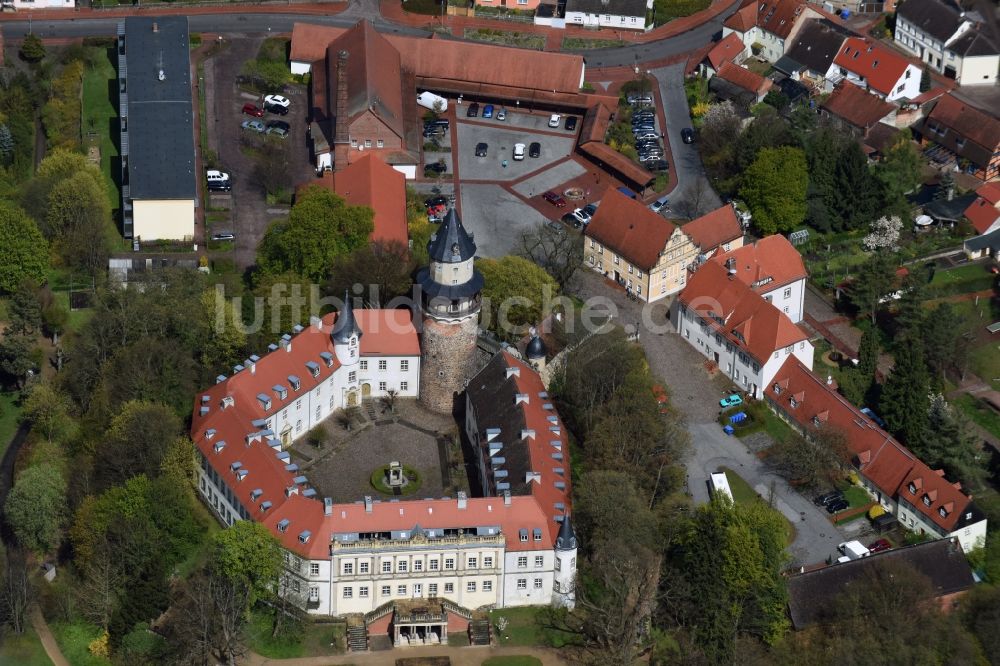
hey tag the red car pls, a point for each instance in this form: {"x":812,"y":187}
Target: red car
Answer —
{"x":253,"y":110}
{"x":554,"y":199}
{"x":879,"y":546}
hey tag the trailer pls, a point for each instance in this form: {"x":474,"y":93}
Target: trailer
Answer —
{"x":719,"y":484}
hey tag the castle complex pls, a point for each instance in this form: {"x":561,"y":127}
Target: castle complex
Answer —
{"x":412,"y":569}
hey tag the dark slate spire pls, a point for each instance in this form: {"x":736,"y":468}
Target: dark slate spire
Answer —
{"x":535,"y":348}
{"x":346,"y":325}
{"x":567,"y":537}
{"x":452,"y":244}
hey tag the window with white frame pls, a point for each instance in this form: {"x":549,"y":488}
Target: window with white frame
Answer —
{"x":404,"y":386}
{"x":379,"y":143}
{"x":363,"y":592}
{"x":352,"y":376}
{"x":522,"y":561}
{"x":522,"y":583}
{"x":404,"y":365}
{"x":538,"y":583}
{"x":473,"y":562}
{"x":348,"y":568}
{"x":449,"y":588}
{"x":418,"y":565}
{"x":364,"y":364}
{"x":314,"y":568}
{"x":387,"y":566}
{"x":539,"y":560}
{"x":382,"y":386}
{"x":386,"y":590}
{"x":418,"y":589}
{"x":432,"y":589}
{"x":402,"y":566}
{"x":348,"y":592}
{"x":383,"y":364}
{"x":432,"y":564}
{"x":487,"y":586}
{"x":362,"y":567}
{"x":488,"y":562}
{"x":401,"y":590}
{"x":470,"y":586}
{"x":449,"y":563}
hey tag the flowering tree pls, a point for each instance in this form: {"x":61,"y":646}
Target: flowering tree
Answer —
{"x":884,"y":234}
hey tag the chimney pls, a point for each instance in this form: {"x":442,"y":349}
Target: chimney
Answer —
{"x":327,"y":506}
{"x":506,"y":498}
{"x":316,"y":323}
{"x":156,"y":28}
{"x":341,"y":136}
{"x":829,"y":380}
{"x":251,"y":366}
{"x":463,"y":500}
{"x":368,"y":503}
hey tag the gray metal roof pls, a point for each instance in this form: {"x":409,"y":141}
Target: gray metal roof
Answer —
{"x":817,"y":44}
{"x":160,"y":128}
{"x":939,"y":19}
{"x":989,"y":241}
{"x":346,"y":325}
{"x":452,"y":244}
{"x":972,"y":43}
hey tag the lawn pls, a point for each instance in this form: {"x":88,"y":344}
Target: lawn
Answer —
{"x":309,"y":640}
{"x":979,"y":412}
{"x":23,"y":650}
{"x":580,"y":44}
{"x":526,"y":627}
{"x":666,"y":10}
{"x":431,"y":7}
{"x":985,"y":362}
{"x":743,"y":493}
{"x":513,"y":660}
{"x":73,"y":639}
{"x":856,"y":496}
{"x":100,"y":117}
{"x":506,"y":38}
{"x":960,"y":274}
{"x":10,"y":414}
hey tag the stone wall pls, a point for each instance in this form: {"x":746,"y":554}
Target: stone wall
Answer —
{"x":449,"y":359}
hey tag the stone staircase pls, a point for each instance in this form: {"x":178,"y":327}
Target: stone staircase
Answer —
{"x":479,"y":632}
{"x":357,"y":637}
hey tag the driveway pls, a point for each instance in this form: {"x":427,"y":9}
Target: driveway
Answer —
{"x":693,"y":194}
{"x":692,"y":391}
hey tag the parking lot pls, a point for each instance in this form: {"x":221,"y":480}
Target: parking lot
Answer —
{"x":500,"y":137}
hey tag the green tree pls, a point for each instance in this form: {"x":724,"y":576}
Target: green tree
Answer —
{"x":6,"y":145}
{"x":32,"y":49}
{"x":247,"y":555}
{"x":608,"y":508}
{"x":320,"y":228}
{"x":24,"y":312}
{"x":515,"y":291}
{"x":35,"y":508}
{"x":18,"y":357}
{"x":49,"y":412}
{"x":851,"y":175}
{"x":948,"y":443}
{"x":774,"y":187}
{"x":868,"y":352}
{"x":136,"y":443}
{"x":383,"y":268}
{"x":874,"y":280}
{"x":925,"y":79}
{"x":905,"y":400}
{"x":26,"y":254}
{"x":227,"y":341}
{"x":946,"y":344}
{"x":899,"y":172}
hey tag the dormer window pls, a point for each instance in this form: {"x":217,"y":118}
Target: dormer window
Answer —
{"x":313,"y":368}
{"x":927,"y":500}
{"x":295,"y":382}
{"x":793,"y":403}
{"x":265,"y":401}
{"x":942,"y":512}
{"x":912,"y":488}
{"x":283,"y":524}
{"x":327,"y":358}
{"x":280,"y":391}
{"x":777,"y":390}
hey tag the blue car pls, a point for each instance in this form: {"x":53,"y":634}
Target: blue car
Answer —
{"x":488,"y":111}
{"x":731,"y":400}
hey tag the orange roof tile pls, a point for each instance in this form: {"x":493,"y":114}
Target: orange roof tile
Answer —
{"x":742,"y":78}
{"x":990,"y":192}
{"x":889,"y":465}
{"x":630,"y":229}
{"x":857,"y":106}
{"x":615,"y":161}
{"x":371,"y":182}
{"x":769,"y":263}
{"x":775,"y":16}
{"x":880,"y":67}
{"x":714,"y":229}
{"x":726,"y":50}
{"x":982,"y":214}
{"x":374,"y":75}
{"x":751,"y":323}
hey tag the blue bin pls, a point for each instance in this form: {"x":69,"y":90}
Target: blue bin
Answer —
{"x":728,"y":430}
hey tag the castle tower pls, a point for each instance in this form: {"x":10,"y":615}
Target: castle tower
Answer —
{"x":451,"y":291}
{"x":535,"y":352}
{"x":564,"y":591}
{"x":346,"y":334}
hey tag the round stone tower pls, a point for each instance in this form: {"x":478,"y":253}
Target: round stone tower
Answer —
{"x":451,"y":295}
{"x":564,"y":590}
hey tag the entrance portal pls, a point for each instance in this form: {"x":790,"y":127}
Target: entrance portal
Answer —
{"x":366,"y":391}
{"x":286,"y":436}
{"x":352,"y":399}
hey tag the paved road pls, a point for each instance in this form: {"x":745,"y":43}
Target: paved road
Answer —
{"x":693,"y":194}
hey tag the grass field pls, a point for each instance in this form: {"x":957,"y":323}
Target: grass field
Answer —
{"x":311,"y":640}
{"x":579,"y":43}
{"x":513,"y":660}
{"x":979,"y":412}
{"x":100,"y":117}
{"x":506,"y":38}
{"x":743,"y":493}
{"x":960,"y":274}
{"x":985,"y":362}
{"x":74,"y":638}
{"x":856,"y":496}
{"x":526,"y":628}
{"x":23,"y":650}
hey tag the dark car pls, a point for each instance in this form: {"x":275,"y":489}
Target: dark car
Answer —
{"x":223,"y":236}
{"x":658,"y":164}
{"x":472,"y":111}
{"x":837,"y":506}
{"x":276,"y":109}
{"x":253,"y":110}
{"x":442,"y":123}
{"x":687,"y":135}
{"x":554,"y":199}
{"x":535,"y":149}
{"x":279,"y":124}
{"x":570,"y":218}
{"x":435,"y":201}
{"x":220,"y":186}
{"x":590,"y":209}
{"x":435,"y":167}
{"x":571,"y":123}
{"x":823,"y":500}
{"x":482,"y":149}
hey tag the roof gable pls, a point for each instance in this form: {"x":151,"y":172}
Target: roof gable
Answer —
{"x":371,"y":182}
{"x":967,"y":121}
{"x":714,"y":229}
{"x":880,"y":67}
{"x":937,"y":18}
{"x":630,"y":229}
{"x":373,"y":75}
{"x":727,"y":50}
{"x":742,"y":78}
{"x":817,"y":44}
{"x":857,"y":106}
{"x":769,"y":263}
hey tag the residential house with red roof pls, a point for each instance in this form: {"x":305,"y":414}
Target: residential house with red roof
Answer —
{"x":810,"y":56}
{"x":736,"y":328}
{"x":729,"y":49}
{"x":648,"y":254}
{"x":865,"y":63}
{"x":922,"y":498}
{"x":856,"y":111}
{"x":958,"y":133}
{"x":371,"y":182}
{"x":984,"y":214}
{"x":768,"y":27}
{"x":773,"y":268}
{"x":739,"y":85}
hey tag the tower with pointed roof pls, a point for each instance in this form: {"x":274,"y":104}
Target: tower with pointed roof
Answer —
{"x":564,"y":585}
{"x":451,"y":296}
{"x":346,"y":334}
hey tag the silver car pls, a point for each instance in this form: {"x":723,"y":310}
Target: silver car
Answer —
{"x":254,"y":125}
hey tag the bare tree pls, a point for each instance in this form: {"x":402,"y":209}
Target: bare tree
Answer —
{"x":101,"y":586}
{"x":17,"y":591}
{"x":389,"y":400}
{"x":695,"y":199}
{"x":207,"y":622}
{"x":556,"y":251}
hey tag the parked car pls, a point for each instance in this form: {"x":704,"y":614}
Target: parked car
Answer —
{"x":578,"y":218}
{"x":646,"y":134}
{"x":879,"y":546}
{"x":730,"y":400}
{"x":435,"y":168}
{"x":555,"y":120}
{"x":518,"y":151}
{"x":218,"y":181}
{"x":823,"y":500}
{"x":570,"y":218}
{"x":277,"y":100}
{"x":442,"y":123}
{"x":837,"y":506}
{"x":482,"y":149}
{"x":502,"y":114}
{"x":278,"y":128}
{"x":554,"y":199}
{"x":434,"y":133}
{"x":488,"y":111}
{"x":276,"y":110}
{"x":661,"y":204}
{"x":435,"y":201}
{"x":657,"y":164}
{"x":223,"y":236}
{"x":589,"y":210}
{"x":535,"y":149}
{"x":253,"y":110}
{"x":472,"y":111}
{"x":253,"y":125}
{"x":687,"y":135}
{"x":639,"y":98}
{"x":280,"y":124}
{"x":556,"y":227}
{"x":570,"y":123}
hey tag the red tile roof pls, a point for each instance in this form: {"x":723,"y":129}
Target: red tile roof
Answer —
{"x":889,"y":465}
{"x":630,"y":229}
{"x":982,"y":214}
{"x":990,"y":192}
{"x":769,"y":263}
{"x":626,"y":168}
{"x":374,"y":76}
{"x":880,"y":67}
{"x":714,"y":229}
{"x":742,"y":77}
{"x":256,"y":451}
{"x":751,"y":323}
{"x":744,"y":18}
{"x":371,"y":182}
{"x":857,"y":106}
{"x":775,"y":16}
{"x":726,"y":50}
